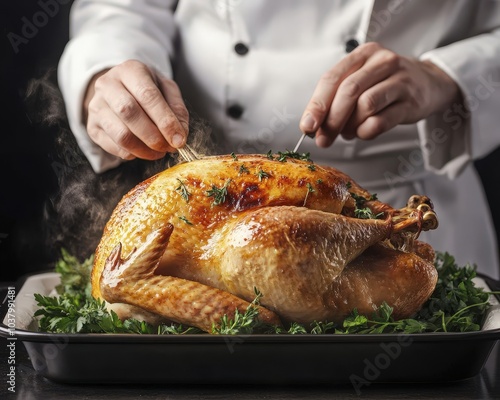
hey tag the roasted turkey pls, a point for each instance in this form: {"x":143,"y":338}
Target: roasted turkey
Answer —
{"x":194,"y":242}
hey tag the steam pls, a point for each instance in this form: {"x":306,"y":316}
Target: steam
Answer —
{"x":75,"y":215}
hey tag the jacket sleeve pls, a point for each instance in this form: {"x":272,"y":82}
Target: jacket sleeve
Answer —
{"x":470,"y":130}
{"x":105,"y":33}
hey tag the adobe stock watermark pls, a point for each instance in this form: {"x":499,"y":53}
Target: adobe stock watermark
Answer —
{"x":10,"y":319}
{"x":381,"y":19}
{"x":265,"y":136}
{"x":31,"y":26}
{"x":39,"y":361}
{"x":456,"y":116}
{"x":232,"y":341}
{"x":373,"y":367}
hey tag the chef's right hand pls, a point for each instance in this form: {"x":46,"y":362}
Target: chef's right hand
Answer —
{"x":132,"y":112}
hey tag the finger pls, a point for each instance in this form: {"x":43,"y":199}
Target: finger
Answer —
{"x":385,"y":120}
{"x":127,"y":110}
{"x":123,"y":137}
{"x":371,"y":102}
{"x":378,"y":68}
{"x":151,"y":99}
{"x":107,"y":144}
{"x":318,"y":107}
{"x":175,"y":101}
{"x":115,"y":96}
{"x":324,"y":138}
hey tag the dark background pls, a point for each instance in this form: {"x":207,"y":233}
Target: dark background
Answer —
{"x":26,"y":146}
{"x":29,"y":157}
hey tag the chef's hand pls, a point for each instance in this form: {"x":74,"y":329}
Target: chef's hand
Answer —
{"x":132,"y":112}
{"x":372,"y":90}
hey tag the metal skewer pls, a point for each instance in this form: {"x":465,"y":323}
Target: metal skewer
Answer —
{"x":301,"y":139}
{"x":188,"y":154}
{"x":299,"y":142}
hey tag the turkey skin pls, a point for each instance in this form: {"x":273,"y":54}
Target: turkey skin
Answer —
{"x":192,"y":244}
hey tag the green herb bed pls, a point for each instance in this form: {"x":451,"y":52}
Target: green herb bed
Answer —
{"x":456,"y":305}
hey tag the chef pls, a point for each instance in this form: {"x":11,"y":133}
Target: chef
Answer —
{"x":402,"y":95}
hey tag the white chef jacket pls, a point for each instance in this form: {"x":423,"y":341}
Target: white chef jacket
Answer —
{"x":250,"y":67}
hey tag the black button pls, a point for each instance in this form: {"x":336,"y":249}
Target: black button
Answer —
{"x":350,"y":45}
{"x":235,"y":111}
{"x":241,"y":49}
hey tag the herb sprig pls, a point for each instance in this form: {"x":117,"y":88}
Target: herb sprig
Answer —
{"x":310,"y":189}
{"x":262,"y":174}
{"x":183,"y":190}
{"x":183,"y":218}
{"x":243,"y":169}
{"x":242,"y":323}
{"x":79,"y":314}
{"x":219,"y":194}
{"x":361,"y":211}
{"x":75,"y":276}
{"x":284,"y":155}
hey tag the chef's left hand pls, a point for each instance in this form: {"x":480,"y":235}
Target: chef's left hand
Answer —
{"x":372,"y":90}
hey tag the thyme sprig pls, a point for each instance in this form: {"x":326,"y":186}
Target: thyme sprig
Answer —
{"x":243,"y":169}
{"x":241,"y":323}
{"x":183,"y":190}
{"x":219,"y":194}
{"x":310,"y":189}
{"x":262,"y":174}
{"x":183,"y":218}
{"x":284,"y":155}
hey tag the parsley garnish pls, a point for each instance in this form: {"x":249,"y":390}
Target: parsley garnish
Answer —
{"x":235,"y":157}
{"x":312,"y":167}
{"x":80,"y":314}
{"x":456,"y":305}
{"x":183,"y":190}
{"x":75,"y":276}
{"x":270,"y":155}
{"x":219,"y":194}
